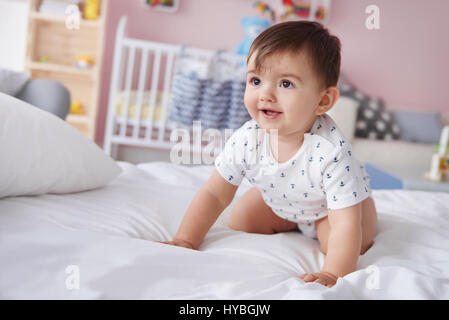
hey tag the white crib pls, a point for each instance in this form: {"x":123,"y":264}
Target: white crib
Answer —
{"x":138,"y":109}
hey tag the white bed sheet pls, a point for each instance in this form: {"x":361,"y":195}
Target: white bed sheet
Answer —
{"x":108,"y":235}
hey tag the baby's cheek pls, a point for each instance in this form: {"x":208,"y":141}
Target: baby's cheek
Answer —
{"x":250,"y":103}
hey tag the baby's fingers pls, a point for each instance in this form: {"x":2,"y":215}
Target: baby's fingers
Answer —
{"x":170,"y":243}
{"x":178,"y":243}
{"x":308,"y":277}
{"x":321,"y":281}
{"x":320,"y":278}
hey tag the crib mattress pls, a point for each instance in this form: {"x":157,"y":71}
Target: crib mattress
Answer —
{"x":133,"y":110}
{"x":104,"y":240}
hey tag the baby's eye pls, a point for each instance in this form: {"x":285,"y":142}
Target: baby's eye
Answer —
{"x":254,"y":81}
{"x":286,"y":84}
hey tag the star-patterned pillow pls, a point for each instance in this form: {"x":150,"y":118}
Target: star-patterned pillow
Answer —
{"x":373,"y":121}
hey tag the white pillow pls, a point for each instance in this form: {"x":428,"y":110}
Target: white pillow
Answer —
{"x":344,"y":113}
{"x":40,"y":153}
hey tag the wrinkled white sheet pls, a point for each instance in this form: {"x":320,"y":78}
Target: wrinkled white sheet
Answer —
{"x":108,"y":235}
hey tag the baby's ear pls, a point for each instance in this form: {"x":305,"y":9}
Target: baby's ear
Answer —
{"x":328,"y":99}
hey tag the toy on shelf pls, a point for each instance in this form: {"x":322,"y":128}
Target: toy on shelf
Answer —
{"x":265,"y":10}
{"x":253,"y":26}
{"x":440,"y":160}
{"x":83,"y":61}
{"x":43,"y":59}
{"x":91,"y":9}
{"x":76,"y":107}
{"x":301,"y":9}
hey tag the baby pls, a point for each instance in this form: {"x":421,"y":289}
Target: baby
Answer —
{"x":303,"y":171}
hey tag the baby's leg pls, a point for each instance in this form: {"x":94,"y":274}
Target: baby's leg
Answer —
{"x":251,"y":214}
{"x":369,"y":227}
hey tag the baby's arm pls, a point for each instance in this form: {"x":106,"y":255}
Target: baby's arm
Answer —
{"x":345,"y":240}
{"x":343,"y":246}
{"x":215,"y":195}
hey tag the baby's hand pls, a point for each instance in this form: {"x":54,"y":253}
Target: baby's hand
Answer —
{"x":178,"y":243}
{"x":325,"y":278}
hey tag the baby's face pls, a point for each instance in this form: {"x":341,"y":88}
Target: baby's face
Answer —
{"x":284,"y":94}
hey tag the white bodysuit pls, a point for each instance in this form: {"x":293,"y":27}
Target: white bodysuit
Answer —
{"x":323,"y":174}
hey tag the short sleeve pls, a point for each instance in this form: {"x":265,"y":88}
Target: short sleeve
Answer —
{"x":231,"y":163}
{"x":345,"y":181}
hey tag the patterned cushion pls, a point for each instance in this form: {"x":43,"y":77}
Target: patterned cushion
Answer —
{"x":373,"y":121}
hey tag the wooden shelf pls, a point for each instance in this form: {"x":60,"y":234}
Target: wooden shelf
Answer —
{"x":50,"y":38}
{"x":47,"y":66}
{"x":61,"y":19}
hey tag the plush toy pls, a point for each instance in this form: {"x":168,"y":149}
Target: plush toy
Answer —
{"x":91,"y":9}
{"x":252,"y":27}
{"x":83,"y":61}
{"x":76,"y":107}
{"x":264,"y":9}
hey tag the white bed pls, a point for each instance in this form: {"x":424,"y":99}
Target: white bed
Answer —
{"x":73,"y":227}
{"x":109,"y":234}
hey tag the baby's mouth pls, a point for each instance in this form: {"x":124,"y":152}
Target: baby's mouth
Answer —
{"x":270,"y":114}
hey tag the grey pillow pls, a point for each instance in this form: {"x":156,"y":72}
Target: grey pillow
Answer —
{"x":11,"y":82}
{"x":46,"y":94}
{"x":415,"y":126}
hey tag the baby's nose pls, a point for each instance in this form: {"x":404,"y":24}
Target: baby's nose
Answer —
{"x":266,"y":97}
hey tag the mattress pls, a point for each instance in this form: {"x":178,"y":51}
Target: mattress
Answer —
{"x":102,"y":244}
{"x":133,"y":107}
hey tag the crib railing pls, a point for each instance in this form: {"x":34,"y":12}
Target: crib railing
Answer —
{"x":143,"y":132}
{"x":141,"y":66}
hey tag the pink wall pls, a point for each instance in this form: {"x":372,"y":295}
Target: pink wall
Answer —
{"x":406,"y":62}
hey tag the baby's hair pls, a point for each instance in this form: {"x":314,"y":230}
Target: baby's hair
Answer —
{"x":323,"y":48}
